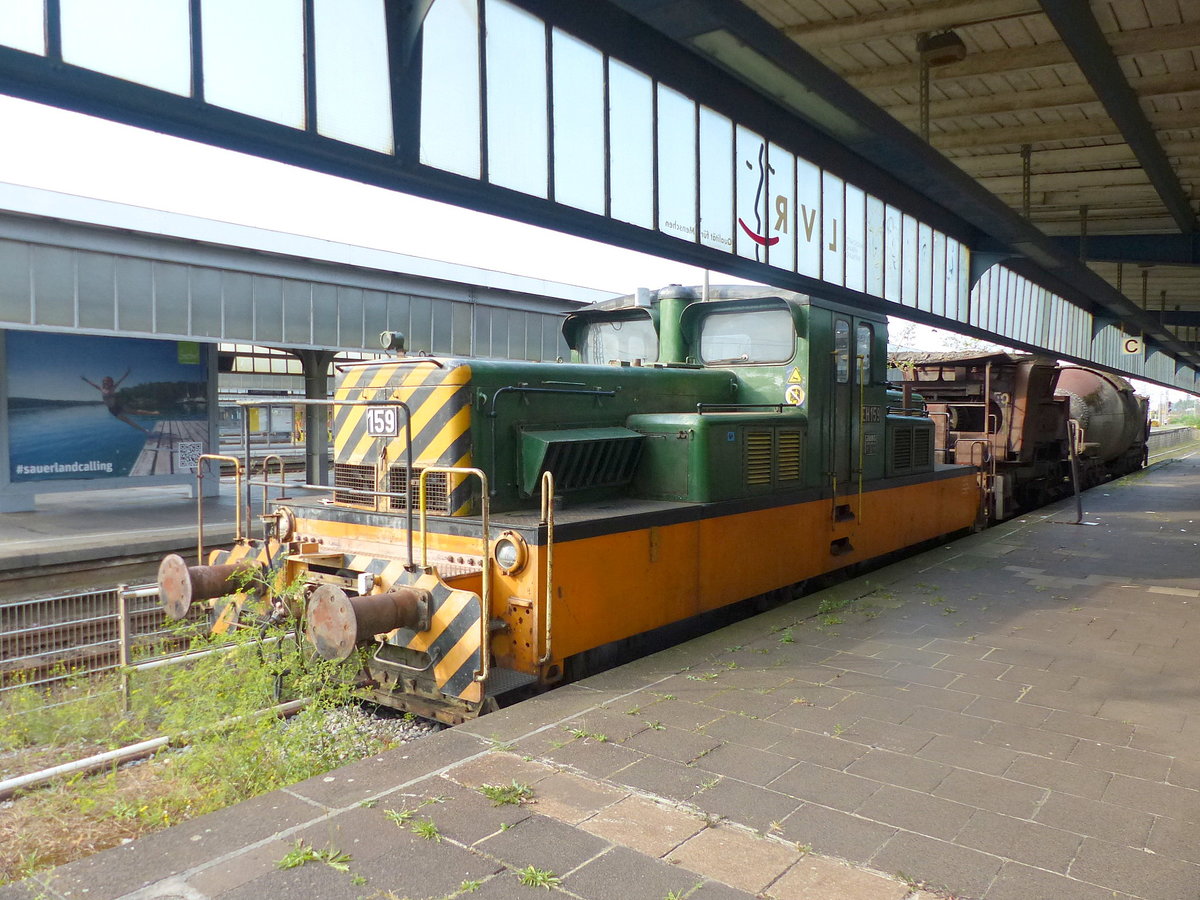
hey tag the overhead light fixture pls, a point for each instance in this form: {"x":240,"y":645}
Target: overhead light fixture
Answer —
{"x":772,"y":79}
{"x":941,"y":49}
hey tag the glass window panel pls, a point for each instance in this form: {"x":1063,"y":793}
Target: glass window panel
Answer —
{"x":54,"y":287}
{"x":757,"y":336}
{"x":752,"y":167}
{"x":716,"y":180}
{"x":151,"y":44}
{"x":297,"y":311}
{"x":461,"y":325}
{"x":15,"y":294}
{"x":350,"y":317}
{"x":22,"y":25}
{"x":397,"y":313}
{"x":254,"y":58}
{"x":676,"y":164}
{"x":893,"y":253}
{"x":833,"y":246}
{"x":516,"y":99}
{"x":781,"y":208}
{"x":964,"y":279}
{"x":374,"y":314}
{"x":171,"y":299}
{"x":875,"y":246}
{"x":908,"y":262}
{"x":206,"y":302}
{"x":938,"y":273}
{"x":623,"y":338}
{"x":268,"y":308}
{"x":135,"y":294}
{"x":866,"y":334}
{"x":924,"y":266}
{"x":808,"y":219}
{"x":324,"y":314}
{"x":500,"y":330}
{"x":856,"y":238}
{"x":421,"y":317}
{"x":516,"y":335}
{"x":951,"y":286}
{"x":999,"y":292}
{"x":443,"y":328}
{"x":353,"y":89}
{"x":841,"y":350}
{"x":97,"y":306}
{"x":1022,"y":317}
{"x":450,"y":108}
{"x":631,"y":136}
{"x":578,"y":123}
{"x":483,"y":333}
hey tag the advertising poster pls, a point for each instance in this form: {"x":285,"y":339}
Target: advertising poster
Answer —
{"x":83,"y":406}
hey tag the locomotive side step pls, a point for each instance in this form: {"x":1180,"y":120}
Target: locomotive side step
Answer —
{"x":501,"y":681}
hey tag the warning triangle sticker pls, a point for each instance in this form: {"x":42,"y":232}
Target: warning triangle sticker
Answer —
{"x":795,"y":378}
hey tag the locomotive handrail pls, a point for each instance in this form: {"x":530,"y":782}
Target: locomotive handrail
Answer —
{"x":237,"y":507}
{"x":485,"y":613}
{"x":266,"y":484}
{"x":548,"y":521}
{"x":945,"y":448}
{"x":778,"y":407}
{"x":314,"y":402}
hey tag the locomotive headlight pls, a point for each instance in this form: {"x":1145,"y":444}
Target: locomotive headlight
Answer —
{"x":510,"y":552}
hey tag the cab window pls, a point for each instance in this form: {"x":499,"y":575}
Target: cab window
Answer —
{"x":754,"y":336}
{"x":865,"y":335}
{"x":624,"y":340}
{"x":841,"y":350}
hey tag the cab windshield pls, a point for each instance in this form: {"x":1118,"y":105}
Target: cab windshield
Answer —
{"x":622,"y":340}
{"x":753,"y":336}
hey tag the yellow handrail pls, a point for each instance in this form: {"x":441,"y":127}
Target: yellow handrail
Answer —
{"x":237,"y":492}
{"x":481,"y":674}
{"x":548,"y":520}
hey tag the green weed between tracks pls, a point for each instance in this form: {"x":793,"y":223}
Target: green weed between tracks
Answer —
{"x":225,"y":748}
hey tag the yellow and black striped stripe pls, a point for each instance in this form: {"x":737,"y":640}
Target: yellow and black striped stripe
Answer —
{"x":439,"y":398}
{"x":453,"y":639}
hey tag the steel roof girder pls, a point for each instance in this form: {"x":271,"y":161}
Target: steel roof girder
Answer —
{"x":1079,"y":30}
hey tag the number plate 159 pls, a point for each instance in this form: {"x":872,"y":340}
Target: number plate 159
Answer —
{"x":383,"y":421}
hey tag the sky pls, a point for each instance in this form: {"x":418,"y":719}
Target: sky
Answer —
{"x":75,"y":154}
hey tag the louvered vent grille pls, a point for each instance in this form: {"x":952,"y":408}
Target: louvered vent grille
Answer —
{"x":902,"y":449}
{"x":788,"y":456}
{"x":437,"y":490}
{"x":922,"y":448}
{"x":590,"y":464}
{"x":758,"y":457}
{"x":353,"y":477}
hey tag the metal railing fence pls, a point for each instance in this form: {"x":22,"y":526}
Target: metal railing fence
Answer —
{"x":45,"y":640}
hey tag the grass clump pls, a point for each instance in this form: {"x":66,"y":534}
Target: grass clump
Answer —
{"x":542,"y":878}
{"x":300,"y":854}
{"x":513,"y":794}
{"x":213,"y":705}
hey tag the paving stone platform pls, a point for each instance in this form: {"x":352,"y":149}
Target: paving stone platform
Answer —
{"x":1014,"y":716}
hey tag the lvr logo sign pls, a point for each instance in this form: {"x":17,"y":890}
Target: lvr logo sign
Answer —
{"x":758,"y":232}
{"x":770,"y":218}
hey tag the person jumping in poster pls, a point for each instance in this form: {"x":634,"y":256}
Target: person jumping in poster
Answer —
{"x":108,"y":394}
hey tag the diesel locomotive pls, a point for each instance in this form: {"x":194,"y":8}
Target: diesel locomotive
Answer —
{"x":1024,"y":421}
{"x":492,"y":524}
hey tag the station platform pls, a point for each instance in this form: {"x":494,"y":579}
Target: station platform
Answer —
{"x":1011,"y":716}
{"x":71,"y":528}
